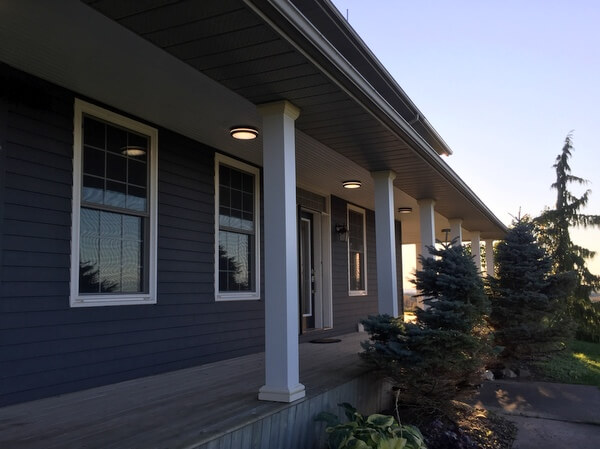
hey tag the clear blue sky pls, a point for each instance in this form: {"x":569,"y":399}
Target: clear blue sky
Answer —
{"x":503,"y":82}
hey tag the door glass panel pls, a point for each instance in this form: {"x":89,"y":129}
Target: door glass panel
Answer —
{"x":305,"y":268}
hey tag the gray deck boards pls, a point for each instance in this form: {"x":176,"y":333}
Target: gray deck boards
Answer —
{"x":187,"y":408}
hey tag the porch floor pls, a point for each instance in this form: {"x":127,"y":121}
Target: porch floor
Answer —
{"x":179,"y":409}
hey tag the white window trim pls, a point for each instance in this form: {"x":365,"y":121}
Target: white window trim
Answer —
{"x":351,"y":207}
{"x":234,"y":163}
{"x":77,"y":299}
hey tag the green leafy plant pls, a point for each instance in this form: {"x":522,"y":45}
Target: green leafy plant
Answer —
{"x":374,"y":431}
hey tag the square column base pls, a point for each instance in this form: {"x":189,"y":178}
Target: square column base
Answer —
{"x":281,"y":394}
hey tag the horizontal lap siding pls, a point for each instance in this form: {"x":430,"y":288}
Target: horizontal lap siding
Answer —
{"x":48,"y":348}
{"x":349,"y":310}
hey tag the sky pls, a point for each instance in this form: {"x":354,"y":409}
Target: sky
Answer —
{"x":503,"y":83}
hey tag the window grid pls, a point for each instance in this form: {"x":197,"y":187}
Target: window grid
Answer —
{"x":114,"y":209}
{"x":236,"y":227}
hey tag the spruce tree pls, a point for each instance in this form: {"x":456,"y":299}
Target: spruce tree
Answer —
{"x":523,"y":295}
{"x":441,"y":356}
{"x":566,"y":256}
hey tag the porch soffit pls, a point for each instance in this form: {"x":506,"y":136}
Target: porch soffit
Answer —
{"x":229,"y":43}
{"x":213,"y":62}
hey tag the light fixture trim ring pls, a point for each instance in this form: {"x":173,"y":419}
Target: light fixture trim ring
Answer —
{"x":243,"y":132}
{"x":352,"y":184}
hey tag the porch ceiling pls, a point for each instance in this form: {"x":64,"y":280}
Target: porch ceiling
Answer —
{"x":235,"y":43}
{"x":215,"y":60}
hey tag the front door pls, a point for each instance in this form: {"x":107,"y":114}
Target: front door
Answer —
{"x":307,"y":271}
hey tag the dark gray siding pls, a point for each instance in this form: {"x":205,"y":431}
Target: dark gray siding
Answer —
{"x":48,"y":348}
{"x":349,"y":310}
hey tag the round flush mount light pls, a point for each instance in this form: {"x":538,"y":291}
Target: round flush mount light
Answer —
{"x":133,"y":151}
{"x":243,"y":132}
{"x":404,"y":210}
{"x":351,"y":184}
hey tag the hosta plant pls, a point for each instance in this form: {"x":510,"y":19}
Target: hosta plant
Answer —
{"x":374,"y":431}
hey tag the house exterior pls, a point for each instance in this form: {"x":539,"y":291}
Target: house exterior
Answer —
{"x":137,"y":236}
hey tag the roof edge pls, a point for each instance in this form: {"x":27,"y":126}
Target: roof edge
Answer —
{"x":360,"y":87}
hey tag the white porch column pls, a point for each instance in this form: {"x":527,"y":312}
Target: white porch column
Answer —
{"x":281,"y":254}
{"x":456,"y":230}
{"x":385,"y":237}
{"x":427,"y":227}
{"x":489,"y":257}
{"x":475,"y":249}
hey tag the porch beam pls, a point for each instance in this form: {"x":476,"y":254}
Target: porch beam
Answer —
{"x":476,"y":249}
{"x":282,"y":378}
{"x":489,"y":257}
{"x":456,"y":230}
{"x":385,"y":238}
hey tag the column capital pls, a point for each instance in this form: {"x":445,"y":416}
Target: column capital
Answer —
{"x":282,"y":107}
{"x":384,"y":174}
{"x":426,"y":202}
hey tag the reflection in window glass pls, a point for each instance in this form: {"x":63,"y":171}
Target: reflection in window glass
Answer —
{"x":110,"y":252}
{"x":236,"y":230}
{"x":356,"y":250}
{"x":114,"y":213}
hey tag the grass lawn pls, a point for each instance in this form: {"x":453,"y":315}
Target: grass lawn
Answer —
{"x":579,"y":363}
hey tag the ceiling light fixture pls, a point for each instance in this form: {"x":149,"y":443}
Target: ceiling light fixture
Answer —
{"x":352,"y":184}
{"x":133,"y":151}
{"x":243,"y":132}
{"x":404,"y":210}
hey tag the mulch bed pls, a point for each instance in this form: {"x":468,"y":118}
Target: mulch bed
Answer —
{"x":465,"y":427}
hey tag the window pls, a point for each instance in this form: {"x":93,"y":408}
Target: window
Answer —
{"x":113,"y":243}
{"x":237,"y":229}
{"x":357,"y":251}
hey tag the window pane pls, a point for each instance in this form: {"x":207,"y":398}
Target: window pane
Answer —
{"x":224,"y":175}
{"x":248,"y":203}
{"x":356,"y":250}
{"x":115,"y":194}
{"x":236,"y":179}
{"x":94,"y":132}
{"x":93,"y":190}
{"x":237,"y":228}
{"x":137,"y":172}
{"x":357,"y":281}
{"x":132,"y":228}
{"x":116,"y":139}
{"x":93,"y":162}
{"x":110,"y":177}
{"x":111,"y":253}
{"x":235,"y":256}
{"x":116,"y":167}
{"x":90,"y":223}
{"x":132,"y":261}
{"x":236,"y":199}
{"x":113,"y":246}
{"x":88,"y":265}
{"x":136,"y":198}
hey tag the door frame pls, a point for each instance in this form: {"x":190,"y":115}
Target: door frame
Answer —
{"x":321,"y":232}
